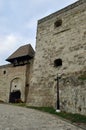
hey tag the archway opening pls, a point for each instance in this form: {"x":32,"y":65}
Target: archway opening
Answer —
{"x":15,"y":97}
{"x":15,"y":94}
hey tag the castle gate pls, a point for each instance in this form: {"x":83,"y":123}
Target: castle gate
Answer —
{"x":15,"y":90}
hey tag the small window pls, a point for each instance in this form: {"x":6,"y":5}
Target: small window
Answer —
{"x":27,"y":85}
{"x":58,"y":62}
{"x":4,"y":72}
{"x":15,"y":86}
{"x":58,"y":23}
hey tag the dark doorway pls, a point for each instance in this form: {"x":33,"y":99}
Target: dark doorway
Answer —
{"x":15,"y":96}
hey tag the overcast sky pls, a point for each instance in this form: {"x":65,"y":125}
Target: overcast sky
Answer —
{"x":18,"y":22}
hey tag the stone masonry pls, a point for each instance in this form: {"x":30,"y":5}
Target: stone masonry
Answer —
{"x":60,"y":51}
{"x":61,"y":35}
{"x":14,"y":77}
{"x":9,"y":77}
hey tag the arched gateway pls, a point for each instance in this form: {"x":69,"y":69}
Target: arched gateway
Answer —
{"x":15,"y":90}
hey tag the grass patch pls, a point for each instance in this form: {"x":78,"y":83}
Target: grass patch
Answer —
{"x":77,"y":118}
{"x":74,"y":118}
{"x":44,"y":109}
{"x":19,"y":104}
{"x":82,"y":77}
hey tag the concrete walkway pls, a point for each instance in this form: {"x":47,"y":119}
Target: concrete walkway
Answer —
{"x":19,"y":118}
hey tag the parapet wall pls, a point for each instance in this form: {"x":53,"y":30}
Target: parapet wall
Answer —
{"x":64,"y":10}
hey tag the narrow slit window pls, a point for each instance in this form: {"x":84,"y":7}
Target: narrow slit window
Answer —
{"x":4,"y":72}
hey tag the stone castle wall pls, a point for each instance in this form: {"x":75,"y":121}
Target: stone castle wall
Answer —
{"x":9,"y":77}
{"x":67,"y":42}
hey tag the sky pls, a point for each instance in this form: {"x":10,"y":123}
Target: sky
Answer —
{"x":18,"y":22}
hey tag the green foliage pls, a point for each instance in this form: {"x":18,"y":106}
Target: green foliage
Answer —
{"x":74,"y":118}
{"x":77,"y":118}
{"x":44,"y":109}
{"x":19,"y":104}
{"x":82,"y":77}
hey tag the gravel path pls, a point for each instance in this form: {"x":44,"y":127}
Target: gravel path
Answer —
{"x":19,"y":118}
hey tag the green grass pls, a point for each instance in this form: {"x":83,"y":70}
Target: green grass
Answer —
{"x":69,"y":116}
{"x":74,"y":118}
{"x":44,"y":109}
{"x":77,"y":118}
{"x":82,"y":77}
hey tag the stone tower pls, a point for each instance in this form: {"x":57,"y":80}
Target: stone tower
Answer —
{"x":61,"y":49}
